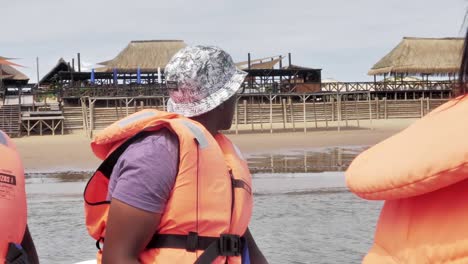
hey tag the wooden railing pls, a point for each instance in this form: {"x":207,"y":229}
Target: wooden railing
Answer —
{"x":112,"y":91}
{"x":387,"y":86}
{"x":157,"y":89}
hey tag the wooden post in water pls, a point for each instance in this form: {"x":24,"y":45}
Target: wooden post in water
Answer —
{"x":91,"y":117}
{"x":304,"y":112}
{"x":305,"y":161}
{"x":315,"y":111}
{"x":272,"y":163}
{"x":356,"y":110}
{"x":370,"y":108}
{"x":84,"y":114}
{"x":126,"y":106}
{"x":142,"y":105}
{"x":260,"y":113}
{"x":270,"y":98}
{"x":325,"y":112}
{"x":252,"y":117}
{"x":292,"y":113}
{"x":385,"y":108}
{"x":332,"y":108}
{"x":285,"y":116}
{"x":338,"y":104}
{"x":428,"y":108}
{"x":237,"y":115}
{"x":244,"y":102}
{"x":422,"y":106}
{"x":377,"y":108}
{"x":345,"y":111}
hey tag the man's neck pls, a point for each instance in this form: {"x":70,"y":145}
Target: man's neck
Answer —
{"x":208,"y":123}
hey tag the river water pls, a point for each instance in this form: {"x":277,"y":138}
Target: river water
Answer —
{"x":302,"y":213}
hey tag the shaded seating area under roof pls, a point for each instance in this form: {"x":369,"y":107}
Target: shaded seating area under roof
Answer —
{"x":422,"y":56}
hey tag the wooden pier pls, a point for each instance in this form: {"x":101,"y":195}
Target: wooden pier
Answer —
{"x":42,"y":122}
{"x":267,"y":113}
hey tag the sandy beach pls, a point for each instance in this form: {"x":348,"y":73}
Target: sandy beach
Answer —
{"x":73,"y":153}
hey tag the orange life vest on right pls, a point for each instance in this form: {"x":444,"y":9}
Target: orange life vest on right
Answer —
{"x":211,"y":202}
{"x":422,"y":174}
{"x":12,"y":196}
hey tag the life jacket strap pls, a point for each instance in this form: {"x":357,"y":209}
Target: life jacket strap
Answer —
{"x":16,"y":255}
{"x":225,"y":245}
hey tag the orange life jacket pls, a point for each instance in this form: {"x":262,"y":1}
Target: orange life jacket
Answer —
{"x":422,"y":174}
{"x":12,"y":196}
{"x":210,"y":204}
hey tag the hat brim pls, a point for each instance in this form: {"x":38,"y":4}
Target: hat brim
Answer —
{"x":212,"y":101}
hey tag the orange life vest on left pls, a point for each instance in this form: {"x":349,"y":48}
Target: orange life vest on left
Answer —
{"x":210,"y":205}
{"x":12,"y":196}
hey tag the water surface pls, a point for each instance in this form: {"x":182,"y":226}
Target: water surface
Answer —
{"x":302,"y":213}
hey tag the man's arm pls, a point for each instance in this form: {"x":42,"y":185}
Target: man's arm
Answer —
{"x":139,"y":188}
{"x":128,"y":232}
{"x":256,"y":256}
{"x":28,"y":246}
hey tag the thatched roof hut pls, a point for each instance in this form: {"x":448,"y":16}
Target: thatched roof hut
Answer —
{"x":8,"y":74}
{"x":422,"y":56}
{"x":61,"y":65}
{"x":149,"y":55}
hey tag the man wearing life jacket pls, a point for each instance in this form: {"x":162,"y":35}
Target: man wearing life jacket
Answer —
{"x":422,"y":175}
{"x":16,"y":245}
{"x":172,"y":188}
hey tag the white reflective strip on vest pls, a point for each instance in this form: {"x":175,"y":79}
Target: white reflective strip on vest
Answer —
{"x":198,"y":133}
{"x":136,"y":118}
{"x":3,"y":139}
{"x":238,"y":152}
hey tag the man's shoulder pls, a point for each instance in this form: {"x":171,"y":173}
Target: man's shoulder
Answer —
{"x":153,"y":142}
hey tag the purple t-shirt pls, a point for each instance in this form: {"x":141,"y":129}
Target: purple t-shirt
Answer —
{"x":145,"y":173}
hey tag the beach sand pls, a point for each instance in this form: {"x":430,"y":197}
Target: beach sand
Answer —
{"x":73,"y":153}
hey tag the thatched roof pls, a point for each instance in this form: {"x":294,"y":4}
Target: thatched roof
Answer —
{"x":270,"y":64}
{"x":262,"y":63}
{"x":435,"y":56}
{"x":61,"y":65}
{"x":296,"y":67}
{"x":7,"y":72}
{"x":146,"y":54}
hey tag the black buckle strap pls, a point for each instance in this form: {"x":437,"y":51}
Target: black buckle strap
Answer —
{"x":191,"y":242}
{"x":226,"y":245}
{"x":16,"y":255}
{"x":230,"y":245}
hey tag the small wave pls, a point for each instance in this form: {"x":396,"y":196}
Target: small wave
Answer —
{"x":323,"y":191}
{"x":69,"y":176}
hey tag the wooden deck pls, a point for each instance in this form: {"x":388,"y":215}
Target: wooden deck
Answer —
{"x":41,"y":122}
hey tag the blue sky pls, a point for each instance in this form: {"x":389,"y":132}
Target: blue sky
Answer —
{"x":343,"y":38}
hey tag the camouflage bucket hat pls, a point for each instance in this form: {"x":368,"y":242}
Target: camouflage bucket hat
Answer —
{"x":201,"y":78}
